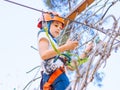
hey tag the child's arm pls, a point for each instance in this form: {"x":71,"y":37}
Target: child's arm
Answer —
{"x":49,"y":53}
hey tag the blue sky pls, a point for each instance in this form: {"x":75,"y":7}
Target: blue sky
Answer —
{"x":18,"y":32}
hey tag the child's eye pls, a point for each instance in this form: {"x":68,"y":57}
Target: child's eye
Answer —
{"x":56,"y":25}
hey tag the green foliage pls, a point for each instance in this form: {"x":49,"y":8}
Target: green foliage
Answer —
{"x":48,"y":3}
{"x":58,"y":5}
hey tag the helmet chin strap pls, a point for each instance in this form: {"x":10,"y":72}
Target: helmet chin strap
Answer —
{"x":48,"y":25}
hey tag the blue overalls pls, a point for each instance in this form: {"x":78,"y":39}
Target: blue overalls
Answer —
{"x":61,"y":83}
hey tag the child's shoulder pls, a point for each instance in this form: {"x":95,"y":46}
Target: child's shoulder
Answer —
{"x":42,"y":35}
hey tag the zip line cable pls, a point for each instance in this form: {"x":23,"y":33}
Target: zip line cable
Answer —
{"x":54,"y":15}
{"x":43,"y":11}
{"x":24,"y":6}
{"x":98,"y":29}
{"x":31,"y":8}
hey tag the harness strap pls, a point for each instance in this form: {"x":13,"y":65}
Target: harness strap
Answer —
{"x":52,"y":78}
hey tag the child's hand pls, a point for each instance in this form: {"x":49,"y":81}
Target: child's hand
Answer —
{"x":71,"y":45}
{"x":89,"y":47}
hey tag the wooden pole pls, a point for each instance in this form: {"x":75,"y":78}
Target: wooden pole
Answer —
{"x":78,"y":9}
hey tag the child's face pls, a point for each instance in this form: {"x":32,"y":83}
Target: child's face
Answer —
{"x":55,"y":28}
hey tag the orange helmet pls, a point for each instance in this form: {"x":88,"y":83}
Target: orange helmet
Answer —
{"x":50,"y":17}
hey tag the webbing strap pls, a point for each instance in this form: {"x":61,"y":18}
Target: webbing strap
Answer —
{"x":53,"y":77}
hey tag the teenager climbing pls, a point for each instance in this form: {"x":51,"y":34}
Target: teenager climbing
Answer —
{"x":53,"y":75}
